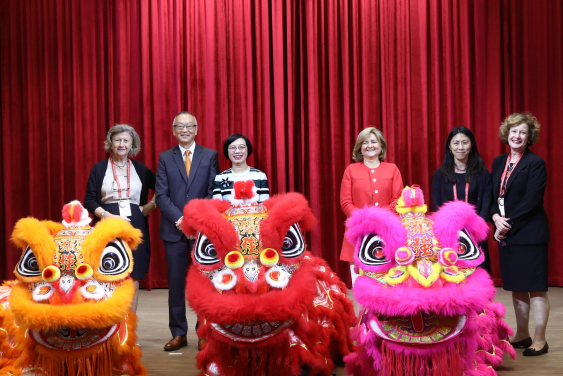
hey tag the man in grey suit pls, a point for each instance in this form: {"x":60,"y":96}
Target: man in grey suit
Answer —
{"x":185,"y":172}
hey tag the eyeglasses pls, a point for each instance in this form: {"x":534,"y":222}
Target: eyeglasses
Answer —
{"x":232,"y":149}
{"x":188,"y":127}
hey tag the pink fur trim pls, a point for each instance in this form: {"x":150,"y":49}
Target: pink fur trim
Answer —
{"x":373,"y":220}
{"x":453,"y":217}
{"x":401,"y":300}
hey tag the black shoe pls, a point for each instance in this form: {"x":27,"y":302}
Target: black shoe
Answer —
{"x":525,"y":343}
{"x":531,"y":352}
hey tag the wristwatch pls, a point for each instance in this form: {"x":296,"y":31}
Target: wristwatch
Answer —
{"x":102,"y":214}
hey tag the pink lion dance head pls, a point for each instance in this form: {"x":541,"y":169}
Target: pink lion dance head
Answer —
{"x":428,"y":308}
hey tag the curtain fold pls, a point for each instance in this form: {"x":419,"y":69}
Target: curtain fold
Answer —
{"x":299,"y":78}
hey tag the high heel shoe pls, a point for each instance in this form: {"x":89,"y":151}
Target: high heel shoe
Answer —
{"x":525,"y":343}
{"x":533,"y":352}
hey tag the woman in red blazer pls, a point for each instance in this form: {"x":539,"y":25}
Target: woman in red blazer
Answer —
{"x":368,"y":182}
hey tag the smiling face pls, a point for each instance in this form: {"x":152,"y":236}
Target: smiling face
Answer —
{"x":518,"y":138}
{"x":185,"y":129}
{"x":238,"y":152}
{"x":460,"y":145}
{"x":371,"y":148}
{"x":121,"y":144}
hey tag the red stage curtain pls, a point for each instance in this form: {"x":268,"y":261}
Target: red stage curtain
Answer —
{"x":300,"y":79}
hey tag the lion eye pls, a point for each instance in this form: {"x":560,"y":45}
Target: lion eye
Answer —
{"x":205,"y":252}
{"x":115,"y":259}
{"x":293,"y":245}
{"x":371,"y":251}
{"x":466,"y":249}
{"x":28,"y":266}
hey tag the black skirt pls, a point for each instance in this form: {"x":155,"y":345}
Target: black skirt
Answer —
{"x":523,"y":267}
{"x":141,"y":256}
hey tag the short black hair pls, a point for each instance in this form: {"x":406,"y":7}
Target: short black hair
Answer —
{"x":232,"y":138}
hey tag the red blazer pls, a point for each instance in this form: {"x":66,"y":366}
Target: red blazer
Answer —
{"x":363,"y":186}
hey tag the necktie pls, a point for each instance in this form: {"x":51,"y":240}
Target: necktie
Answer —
{"x":188,"y":163}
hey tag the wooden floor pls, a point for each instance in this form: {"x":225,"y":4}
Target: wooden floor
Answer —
{"x":153,"y":333}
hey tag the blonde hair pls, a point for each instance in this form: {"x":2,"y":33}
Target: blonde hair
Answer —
{"x":119,"y":128}
{"x":364,"y":134}
{"x":514,"y":120}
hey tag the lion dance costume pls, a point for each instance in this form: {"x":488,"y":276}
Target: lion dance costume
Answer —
{"x":68,"y":312}
{"x":427,"y":308}
{"x":266,"y":306}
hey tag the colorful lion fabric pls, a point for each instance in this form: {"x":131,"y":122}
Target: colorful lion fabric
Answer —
{"x":68,"y":312}
{"x":265,"y":305}
{"x":427,"y":308}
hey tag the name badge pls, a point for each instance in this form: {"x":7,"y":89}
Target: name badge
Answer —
{"x":124,"y":208}
{"x":501,"y":206}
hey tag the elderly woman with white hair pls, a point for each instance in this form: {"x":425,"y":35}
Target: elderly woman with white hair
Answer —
{"x":118,"y":187}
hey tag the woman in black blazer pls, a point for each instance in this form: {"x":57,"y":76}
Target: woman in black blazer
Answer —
{"x":118,"y":187}
{"x":522,"y":229}
{"x":464,"y":176}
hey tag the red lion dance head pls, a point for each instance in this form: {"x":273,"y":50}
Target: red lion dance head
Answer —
{"x":265,"y":304}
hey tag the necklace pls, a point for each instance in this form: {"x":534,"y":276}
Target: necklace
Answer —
{"x":120,"y":166}
{"x":459,"y":169}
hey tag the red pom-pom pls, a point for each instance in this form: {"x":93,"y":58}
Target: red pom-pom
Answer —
{"x":72,"y":212}
{"x":243,"y":189}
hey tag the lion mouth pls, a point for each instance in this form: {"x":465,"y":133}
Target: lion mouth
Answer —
{"x":251,"y":331}
{"x":73,"y":339}
{"x":419,"y":329}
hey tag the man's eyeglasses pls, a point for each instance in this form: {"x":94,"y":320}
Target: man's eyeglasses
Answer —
{"x":232,"y":149}
{"x":188,"y":127}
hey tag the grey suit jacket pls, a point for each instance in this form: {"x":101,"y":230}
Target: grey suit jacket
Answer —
{"x":174,"y":189}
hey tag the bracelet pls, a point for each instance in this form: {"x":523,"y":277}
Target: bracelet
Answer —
{"x":102,"y":214}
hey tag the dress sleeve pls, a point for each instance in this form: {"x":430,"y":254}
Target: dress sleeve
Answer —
{"x":346,"y":202}
{"x":264,"y":188}
{"x":217,"y":190}
{"x":437,"y":184}
{"x":486,"y":196}
{"x":90,"y":199}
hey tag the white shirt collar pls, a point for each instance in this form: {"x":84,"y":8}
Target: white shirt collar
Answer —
{"x":191,"y":149}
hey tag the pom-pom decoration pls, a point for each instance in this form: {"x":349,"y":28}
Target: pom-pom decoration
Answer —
{"x":404,"y":256}
{"x":51,"y":273}
{"x":234,"y":260}
{"x":84,"y":271}
{"x":447,"y":257}
{"x":269,"y":257}
{"x":74,"y":215}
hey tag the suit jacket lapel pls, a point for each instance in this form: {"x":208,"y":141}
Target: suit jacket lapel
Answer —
{"x":180,"y":162}
{"x":521,"y":164}
{"x":195,"y":163}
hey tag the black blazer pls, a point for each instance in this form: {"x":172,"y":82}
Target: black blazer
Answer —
{"x":523,"y":199}
{"x":93,"y":197}
{"x":174,"y":190}
{"x":479,"y":194}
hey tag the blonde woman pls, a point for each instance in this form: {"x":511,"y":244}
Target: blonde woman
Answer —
{"x":370,"y":181}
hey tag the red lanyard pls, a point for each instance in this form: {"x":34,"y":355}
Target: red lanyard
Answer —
{"x":506,"y":174}
{"x":466,"y":191}
{"x":117,"y":180}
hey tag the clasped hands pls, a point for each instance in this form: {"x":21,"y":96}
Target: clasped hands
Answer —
{"x":501,"y":228}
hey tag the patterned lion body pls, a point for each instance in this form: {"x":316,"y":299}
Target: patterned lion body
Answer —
{"x":428,"y":308}
{"x":266,"y":306}
{"x":68,"y":311}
